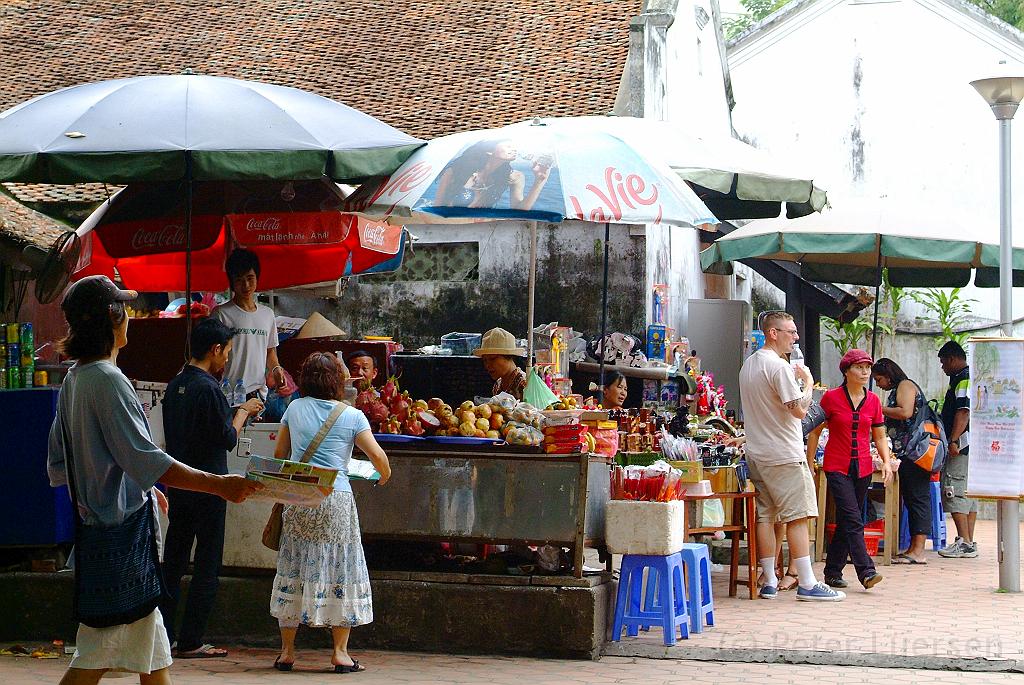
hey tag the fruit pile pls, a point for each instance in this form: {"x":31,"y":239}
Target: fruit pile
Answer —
{"x":564,"y":402}
{"x":393,"y":411}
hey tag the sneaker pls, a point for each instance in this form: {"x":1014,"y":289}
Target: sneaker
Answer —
{"x":955,"y":549}
{"x":870,"y":580}
{"x":820,"y":593}
{"x":970,"y":550}
{"x":836,"y":582}
{"x":768,"y":592}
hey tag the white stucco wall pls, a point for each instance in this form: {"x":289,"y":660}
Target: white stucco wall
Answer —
{"x":875,"y":97}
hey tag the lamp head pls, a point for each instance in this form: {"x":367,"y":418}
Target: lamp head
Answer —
{"x":1003,"y":92}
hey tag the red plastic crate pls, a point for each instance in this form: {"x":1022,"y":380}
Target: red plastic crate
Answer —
{"x":873,"y":534}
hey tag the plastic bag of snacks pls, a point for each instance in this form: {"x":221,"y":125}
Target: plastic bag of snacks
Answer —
{"x":517,"y":433}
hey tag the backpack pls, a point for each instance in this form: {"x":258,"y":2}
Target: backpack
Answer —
{"x":925,"y":443}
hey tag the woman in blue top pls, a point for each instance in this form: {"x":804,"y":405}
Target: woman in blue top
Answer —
{"x":321,"y":578}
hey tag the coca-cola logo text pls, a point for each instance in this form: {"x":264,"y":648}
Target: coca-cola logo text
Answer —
{"x":267,"y":223}
{"x":149,"y":239}
{"x":373,"y":235}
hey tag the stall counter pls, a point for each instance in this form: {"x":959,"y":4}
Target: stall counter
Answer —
{"x":450,"y":492}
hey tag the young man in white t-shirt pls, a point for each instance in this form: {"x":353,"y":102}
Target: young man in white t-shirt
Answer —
{"x":773,"y":405}
{"x":255,"y":340}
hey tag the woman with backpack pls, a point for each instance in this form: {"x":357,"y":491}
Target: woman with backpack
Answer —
{"x":901,"y":411}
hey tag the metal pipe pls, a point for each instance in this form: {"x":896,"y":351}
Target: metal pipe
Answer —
{"x":604,"y":316}
{"x":531,"y":293}
{"x":188,"y":254}
{"x":1008,"y":518}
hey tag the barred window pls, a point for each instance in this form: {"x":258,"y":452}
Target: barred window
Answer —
{"x":435,"y":262}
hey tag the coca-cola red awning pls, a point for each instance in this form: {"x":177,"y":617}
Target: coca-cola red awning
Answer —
{"x":305,"y":241}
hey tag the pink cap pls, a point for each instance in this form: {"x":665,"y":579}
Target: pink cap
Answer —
{"x":852,"y":357}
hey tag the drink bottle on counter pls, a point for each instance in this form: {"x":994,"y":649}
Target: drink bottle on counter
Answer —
{"x":239,"y":396}
{"x":225,"y":387}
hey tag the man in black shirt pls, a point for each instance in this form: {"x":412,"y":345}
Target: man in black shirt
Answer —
{"x":956,"y":417}
{"x":200,"y":429}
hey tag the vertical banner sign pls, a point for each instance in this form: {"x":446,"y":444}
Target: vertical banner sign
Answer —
{"x":997,"y":430}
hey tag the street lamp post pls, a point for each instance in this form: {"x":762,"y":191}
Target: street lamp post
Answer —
{"x":1004,"y":94}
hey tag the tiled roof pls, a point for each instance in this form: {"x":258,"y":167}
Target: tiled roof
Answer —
{"x":427,"y":67}
{"x":44,"y":192}
{"x":21,"y":225}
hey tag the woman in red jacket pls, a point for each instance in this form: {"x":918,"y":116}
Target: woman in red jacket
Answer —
{"x":853,"y":416}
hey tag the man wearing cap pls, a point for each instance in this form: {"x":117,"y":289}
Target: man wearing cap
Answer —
{"x":773,"y":405}
{"x":499,"y":351}
{"x":956,"y":420}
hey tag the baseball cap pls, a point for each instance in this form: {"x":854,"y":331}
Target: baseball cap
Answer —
{"x":91,"y":295}
{"x":854,"y":357}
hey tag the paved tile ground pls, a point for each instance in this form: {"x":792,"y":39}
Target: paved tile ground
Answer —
{"x":252,"y":667}
{"x":947,"y":609}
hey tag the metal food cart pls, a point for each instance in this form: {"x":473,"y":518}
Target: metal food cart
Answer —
{"x":442,"y":492}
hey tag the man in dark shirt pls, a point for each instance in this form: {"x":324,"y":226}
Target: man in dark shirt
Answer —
{"x":199,"y":428}
{"x":956,"y":417}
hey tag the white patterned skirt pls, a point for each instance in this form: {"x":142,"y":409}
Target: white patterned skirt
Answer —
{"x":321,"y":572}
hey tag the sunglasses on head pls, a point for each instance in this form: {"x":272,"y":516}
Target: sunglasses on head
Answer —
{"x":771,"y":312}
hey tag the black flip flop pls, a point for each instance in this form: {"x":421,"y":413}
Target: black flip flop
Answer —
{"x":354,"y":668}
{"x":279,"y":665}
{"x":905,"y":560}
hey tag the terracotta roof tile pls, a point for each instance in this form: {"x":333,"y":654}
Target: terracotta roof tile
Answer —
{"x":427,"y":67}
{"x":20,"y":225}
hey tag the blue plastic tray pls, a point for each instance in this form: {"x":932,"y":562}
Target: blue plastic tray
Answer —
{"x":391,"y":437}
{"x":460,"y":440}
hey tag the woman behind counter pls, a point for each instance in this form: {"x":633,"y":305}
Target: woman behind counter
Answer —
{"x":853,"y":416}
{"x":614,"y":392}
{"x":498,"y":350}
{"x":321,"y":578}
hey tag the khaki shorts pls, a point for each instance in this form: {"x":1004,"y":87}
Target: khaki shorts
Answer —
{"x":785,"y":492}
{"x":954,"y":486}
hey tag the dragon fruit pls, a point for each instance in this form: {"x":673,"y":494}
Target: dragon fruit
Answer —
{"x":368,"y":402}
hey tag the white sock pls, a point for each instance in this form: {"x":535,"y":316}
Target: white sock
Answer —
{"x":768,"y":571}
{"x":805,"y":573}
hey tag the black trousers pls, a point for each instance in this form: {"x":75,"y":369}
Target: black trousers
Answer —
{"x":916,"y":490}
{"x":849,"y":491}
{"x":199,"y":518}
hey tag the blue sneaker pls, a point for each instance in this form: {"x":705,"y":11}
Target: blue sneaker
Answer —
{"x":820,"y":593}
{"x":768,"y":592}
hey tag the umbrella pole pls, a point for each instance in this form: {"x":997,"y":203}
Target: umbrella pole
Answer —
{"x":188,"y":253}
{"x":874,"y":323}
{"x":531,"y":294}
{"x":604,"y":316}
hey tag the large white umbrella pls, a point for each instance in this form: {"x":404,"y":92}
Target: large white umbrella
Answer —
{"x":534,"y":172}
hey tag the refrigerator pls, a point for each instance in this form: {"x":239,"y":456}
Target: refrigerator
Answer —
{"x":719,"y":331}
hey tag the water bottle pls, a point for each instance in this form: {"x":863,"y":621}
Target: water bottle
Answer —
{"x":796,"y":358}
{"x":239,"y":393}
{"x":225,"y":387}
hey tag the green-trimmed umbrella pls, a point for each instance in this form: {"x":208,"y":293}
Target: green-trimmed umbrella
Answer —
{"x":854,"y":243}
{"x":166,"y":128}
{"x":193,"y":128}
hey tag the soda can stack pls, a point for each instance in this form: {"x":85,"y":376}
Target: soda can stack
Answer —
{"x":12,"y":372}
{"x":28,"y":360}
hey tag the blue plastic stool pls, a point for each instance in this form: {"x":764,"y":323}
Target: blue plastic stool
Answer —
{"x":938,"y":532}
{"x":699,"y":602}
{"x":665,"y":581}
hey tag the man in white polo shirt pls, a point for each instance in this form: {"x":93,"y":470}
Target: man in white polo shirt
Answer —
{"x":773,"y":404}
{"x":254,"y":326}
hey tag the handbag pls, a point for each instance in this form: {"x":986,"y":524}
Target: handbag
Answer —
{"x":118,"y":579}
{"x":925,"y":443}
{"x":272,"y":531}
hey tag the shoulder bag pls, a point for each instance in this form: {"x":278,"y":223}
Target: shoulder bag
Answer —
{"x":925,"y":442}
{"x":117,"y":568}
{"x":272,"y":531}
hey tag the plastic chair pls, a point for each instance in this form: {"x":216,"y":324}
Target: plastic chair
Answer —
{"x":938,"y":532}
{"x":699,"y":601}
{"x":666,"y":591}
